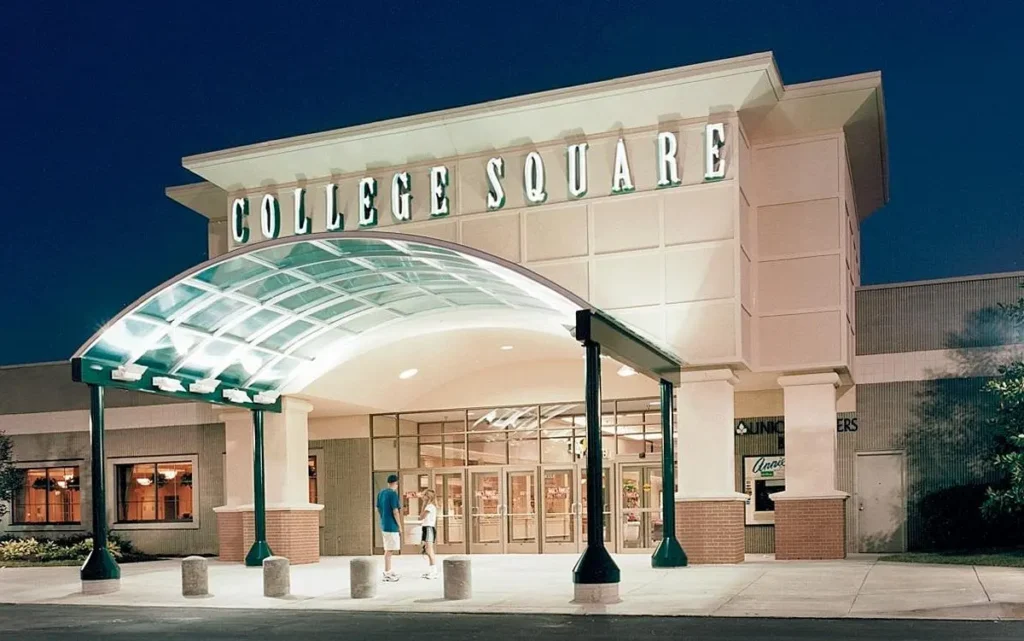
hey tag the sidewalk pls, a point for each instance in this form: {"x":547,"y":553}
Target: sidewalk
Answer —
{"x":761,"y":587}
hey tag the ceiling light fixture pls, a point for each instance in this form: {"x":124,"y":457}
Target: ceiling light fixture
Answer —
{"x":506,"y":348}
{"x":626,"y":370}
{"x":409,"y":373}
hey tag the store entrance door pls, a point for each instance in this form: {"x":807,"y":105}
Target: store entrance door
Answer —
{"x":450,"y":487}
{"x":565,"y":508}
{"x":640,"y":515}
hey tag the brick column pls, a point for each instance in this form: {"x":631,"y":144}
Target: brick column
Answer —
{"x":709,"y":510}
{"x":810,"y":515}
{"x":293,"y":524}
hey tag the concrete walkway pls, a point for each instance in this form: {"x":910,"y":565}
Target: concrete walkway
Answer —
{"x":761,"y":587}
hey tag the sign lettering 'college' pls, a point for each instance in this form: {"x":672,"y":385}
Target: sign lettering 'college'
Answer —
{"x":534,"y":187}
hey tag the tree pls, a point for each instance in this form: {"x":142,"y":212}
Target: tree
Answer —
{"x":1007,"y":499}
{"x":10,"y":479}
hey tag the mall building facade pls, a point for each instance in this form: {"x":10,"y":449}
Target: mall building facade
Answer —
{"x":712,"y":209}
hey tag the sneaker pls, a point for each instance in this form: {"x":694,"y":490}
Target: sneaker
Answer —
{"x":430,"y":574}
{"x":390,"y":577}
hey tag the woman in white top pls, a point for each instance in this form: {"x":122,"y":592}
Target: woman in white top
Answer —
{"x":428,"y":525}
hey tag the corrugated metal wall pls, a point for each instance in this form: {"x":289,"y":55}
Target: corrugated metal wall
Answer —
{"x":940,"y":425}
{"x":347,"y":498}
{"x":940,"y":315}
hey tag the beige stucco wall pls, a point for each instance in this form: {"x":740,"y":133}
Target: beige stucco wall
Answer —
{"x":666,"y":261}
{"x":756,"y":270}
{"x":808,"y":261}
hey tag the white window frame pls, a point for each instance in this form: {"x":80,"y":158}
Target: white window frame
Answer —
{"x":134,"y":460}
{"x":10,"y":526}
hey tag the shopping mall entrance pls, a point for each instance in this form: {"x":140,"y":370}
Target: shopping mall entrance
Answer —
{"x":513,"y":480}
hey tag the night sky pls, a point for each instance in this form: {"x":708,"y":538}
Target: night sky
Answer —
{"x":100,"y":104}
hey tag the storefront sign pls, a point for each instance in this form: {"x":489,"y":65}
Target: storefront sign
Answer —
{"x":534,"y":184}
{"x":754,"y":427}
{"x":763,"y":476}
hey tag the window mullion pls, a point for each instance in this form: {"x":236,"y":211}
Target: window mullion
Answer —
{"x":156,"y":492}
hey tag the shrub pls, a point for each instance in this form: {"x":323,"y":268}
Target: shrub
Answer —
{"x":952,"y":519}
{"x":17,"y":549}
{"x":72,"y":548}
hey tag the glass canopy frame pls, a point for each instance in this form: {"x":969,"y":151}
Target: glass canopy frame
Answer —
{"x":246,"y":327}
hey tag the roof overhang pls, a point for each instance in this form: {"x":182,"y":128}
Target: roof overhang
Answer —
{"x":645,"y":100}
{"x":204,"y":198}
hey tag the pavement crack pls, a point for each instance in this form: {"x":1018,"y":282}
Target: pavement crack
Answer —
{"x":742,"y":590}
{"x":981,"y":583}
{"x":860,"y":587}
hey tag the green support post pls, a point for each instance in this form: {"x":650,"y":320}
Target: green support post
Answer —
{"x":669,"y":553}
{"x":100,"y":565}
{"x":595,"y":565}
{"x":259,"y":550}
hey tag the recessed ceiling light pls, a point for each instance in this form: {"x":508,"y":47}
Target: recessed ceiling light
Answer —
{"x":409,"y":373}
{"x":626,"y":370}
{"x":506,"y":348}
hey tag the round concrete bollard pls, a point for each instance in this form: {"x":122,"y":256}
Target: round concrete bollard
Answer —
{"x":458,"y":583}
{"x":195,"y":578}
{"x":362,"y":578}
{"x":276,"y":577}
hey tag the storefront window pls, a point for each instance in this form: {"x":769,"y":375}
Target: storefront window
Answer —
{"x":48,"y":495}
{"x":154,"y":492}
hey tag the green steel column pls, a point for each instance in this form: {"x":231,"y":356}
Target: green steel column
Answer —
{"x":668,"y":554}
{"x":100,"y":566}
{"x":259,"y":550}
{"x":595,"y":565}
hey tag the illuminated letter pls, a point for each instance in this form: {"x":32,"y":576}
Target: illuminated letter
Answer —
{"x":270,"y":217}
{"x":714,"y":140}
{"x":533,"y":176}
{"x":239,"y":220}
{"x":401,"y":199}
{"x":495,"y":192}
{"x":578,"y":170}
{"x":438,"y":185}
{"x":621,"y":180}
{"x":668,"y":166}
{"x":335,"y":219}
{"x":302,"y":224}
{"x":367,"y":193}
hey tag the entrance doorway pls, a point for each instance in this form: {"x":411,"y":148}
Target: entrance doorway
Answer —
{"x":640,"y":516}
{"x":881,"y":502}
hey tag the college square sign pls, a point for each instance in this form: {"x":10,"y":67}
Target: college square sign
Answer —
{"x":533,"y":183}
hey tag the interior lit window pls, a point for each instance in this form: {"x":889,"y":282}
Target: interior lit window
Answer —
{"x":48,"y":495}
{"x":154,"y":492}
{"x":313,"y":498}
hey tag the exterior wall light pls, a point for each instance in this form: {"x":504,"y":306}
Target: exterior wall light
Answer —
{"x":128,"y":373}
{"x":409,"y":373}
{"x":167,"y":384}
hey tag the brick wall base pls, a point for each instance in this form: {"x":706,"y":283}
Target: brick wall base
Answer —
{"x":711,"y":531}
{"x":293,"y":534}
{"x":810,"y":529}
{"x":229,"y":535}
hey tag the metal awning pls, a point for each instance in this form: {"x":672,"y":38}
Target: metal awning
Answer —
{"x":254,"y":324}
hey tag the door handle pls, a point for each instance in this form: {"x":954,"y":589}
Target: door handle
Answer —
{"x":860,"y":508}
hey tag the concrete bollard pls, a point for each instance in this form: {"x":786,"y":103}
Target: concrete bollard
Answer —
{"x":276,"y":577}
{"x":458,"y":583}
{"x":362,"y":578}
{"x":195,"y":577}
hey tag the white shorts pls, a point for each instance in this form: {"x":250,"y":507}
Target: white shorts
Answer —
{"x":392,"y":541}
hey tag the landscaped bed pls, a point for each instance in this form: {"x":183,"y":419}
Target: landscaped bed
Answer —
{"x":1013,"y":558}
{"x":70,"y":551}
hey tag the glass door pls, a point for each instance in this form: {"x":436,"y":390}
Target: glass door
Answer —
{"x":486,"y":510}
{"x":521,"y":511}
{"x":560,"y":506}
{"x":606,"y":482}
{"x":451,"y":522}
{"x":410,"y":484}
{"x":640,"y":519}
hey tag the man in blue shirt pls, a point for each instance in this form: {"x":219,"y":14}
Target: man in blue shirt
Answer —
{"x":389,"y":507}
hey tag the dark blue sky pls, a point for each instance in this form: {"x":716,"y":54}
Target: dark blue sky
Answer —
{"x":99,"y":105}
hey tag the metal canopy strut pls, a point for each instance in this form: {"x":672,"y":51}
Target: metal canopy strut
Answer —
{"x":260,"y":549}
{"x":100,"y":566}
{"x":596,"y":332}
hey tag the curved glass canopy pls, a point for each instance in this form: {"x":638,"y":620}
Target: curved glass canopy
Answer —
{"x":241,"y":328}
